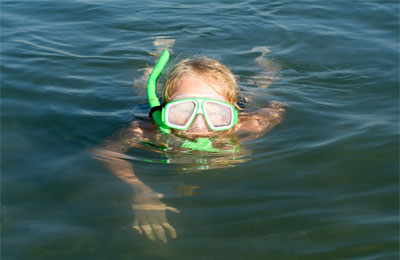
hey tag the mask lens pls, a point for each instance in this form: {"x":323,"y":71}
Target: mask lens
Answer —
{"x":180,"y":113}
{"x":219,"y":115}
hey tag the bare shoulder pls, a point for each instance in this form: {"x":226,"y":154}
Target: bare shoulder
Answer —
{"x":275,"y":111}
{"x":129,"y":136}
{"x":140,"y":129}
{"x":262,"y":120}
{"x":277,"y":105}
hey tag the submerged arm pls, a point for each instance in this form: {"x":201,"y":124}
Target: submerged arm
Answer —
{"x":111,"y":153}
{"x":149,"y":211}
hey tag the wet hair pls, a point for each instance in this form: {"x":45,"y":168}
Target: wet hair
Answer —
{"x":209,"y":70}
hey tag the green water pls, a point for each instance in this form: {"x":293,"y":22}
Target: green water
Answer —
{"x":324,"y":184}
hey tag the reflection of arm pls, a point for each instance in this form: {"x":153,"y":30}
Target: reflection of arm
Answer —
{"x":258,"y":123}
{"x":111,"y":154}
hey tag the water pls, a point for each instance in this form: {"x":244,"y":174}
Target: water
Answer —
{"x":324,"y":184}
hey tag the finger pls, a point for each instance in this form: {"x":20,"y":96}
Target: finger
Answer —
{"x":148,"y":231}
{"x":146,"y":225}
{"x":172,"y":209}
{"x":164,"y":222}
{"x":135,"y":225}
{"x":155,"y":218}
{"x":171,"y":230}
{"x":138,"y":229}
{"x":159,"y":231}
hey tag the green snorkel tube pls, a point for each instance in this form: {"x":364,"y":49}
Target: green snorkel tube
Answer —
{"x":201,"y":144}
{"x":152,"y":95}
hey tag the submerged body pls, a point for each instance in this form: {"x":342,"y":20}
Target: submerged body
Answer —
{"x":191,"y":79}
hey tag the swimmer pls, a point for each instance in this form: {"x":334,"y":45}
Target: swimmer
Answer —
{"x":200,"y":101}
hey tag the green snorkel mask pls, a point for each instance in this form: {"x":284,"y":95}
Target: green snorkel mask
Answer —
{"x":158,"y":112}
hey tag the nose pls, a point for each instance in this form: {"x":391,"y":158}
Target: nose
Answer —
{"x":199,"y":124}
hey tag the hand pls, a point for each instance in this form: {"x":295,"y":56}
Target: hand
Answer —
{"x":150,"y":216}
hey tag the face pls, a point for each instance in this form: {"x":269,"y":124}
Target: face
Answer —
{"x":195,"y":86}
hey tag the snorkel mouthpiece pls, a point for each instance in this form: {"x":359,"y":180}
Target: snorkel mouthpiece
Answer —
{"x":151,"y":92}
{"x":201,"y":144}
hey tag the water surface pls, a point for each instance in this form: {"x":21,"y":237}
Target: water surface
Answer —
{"x":322,"y":185}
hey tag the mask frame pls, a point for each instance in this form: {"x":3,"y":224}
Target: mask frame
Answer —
{"x":199,"y":108}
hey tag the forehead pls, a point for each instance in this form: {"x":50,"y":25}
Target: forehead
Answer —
{"x":195,"y":86}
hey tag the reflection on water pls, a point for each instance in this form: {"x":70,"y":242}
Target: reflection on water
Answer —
{"x":188,"y":190}
{"x":176,"y":151}
{"x":227,"y":154}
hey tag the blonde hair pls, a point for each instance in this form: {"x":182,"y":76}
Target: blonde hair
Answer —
{"x":209,"y":70}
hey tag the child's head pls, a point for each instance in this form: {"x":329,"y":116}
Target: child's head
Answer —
{"x":202,"y":78}
{"x":216,"y":75}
